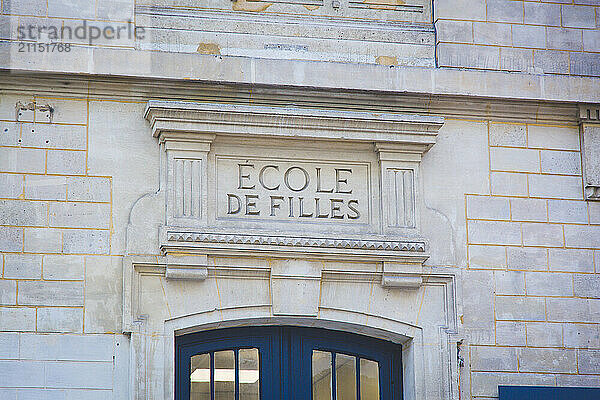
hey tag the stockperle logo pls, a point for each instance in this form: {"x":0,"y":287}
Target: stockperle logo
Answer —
{"x":82,"y":31}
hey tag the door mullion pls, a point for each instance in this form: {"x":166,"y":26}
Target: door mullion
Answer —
{"x":333,"y":378}
{"x":357,"y":378}
{"x":212,"y":376}
{"x":236,"y":363}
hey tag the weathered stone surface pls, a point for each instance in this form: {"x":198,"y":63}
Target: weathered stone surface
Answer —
{"x":520,"y":308}
{"x":547,"y":360}
{"x":63,"y":267}
{"x":8,"y":292}
{"x":11,"y":186}
{"x":508,"y":134}
{"x":528,"y":210}
{"x":37,"y":293}
{"x":510,"y":333}
{"x":518,"y":160}
{"x":555,"y":186}
{"x":23,"y":213}
{"x":103,"y":294}
{"x":487,"y":257}
{"x":17,"y":319}
{"x":43,"y":187}
{"x":11,"y":239}
{"x":508,"y":183}
{"x":43,"y":240}
{"x":510,"y":282}
{"x":571,"y":260}
{"x":581,"y":335}
{"x":491,"y":232}
{"x":483,"y":207}
{"x":561,"y":162}
{"x":586,"y":285}
{"x":542,"y":334}
{"x":59,"y":319}
{"x":484,"y":358}
{"x":22,"y":266}
{"x":85,"y":241}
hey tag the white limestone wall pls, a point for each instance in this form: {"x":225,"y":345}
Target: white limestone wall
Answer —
{"x":504,"y":214}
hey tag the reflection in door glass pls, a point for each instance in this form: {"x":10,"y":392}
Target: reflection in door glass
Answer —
{"x":369,"y":380}
{"x":249,"y":375}
{"x":200,"y":377}
{"x":224,"y":375}
{"x":345,"y":377}
{"x":321,"y":375}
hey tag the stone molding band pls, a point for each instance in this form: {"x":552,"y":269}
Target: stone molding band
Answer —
{"x":297,"y":241}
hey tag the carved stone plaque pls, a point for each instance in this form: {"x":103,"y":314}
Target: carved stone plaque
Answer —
{"x":292,"y":190}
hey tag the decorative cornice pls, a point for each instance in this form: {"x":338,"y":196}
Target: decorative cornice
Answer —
{"x":176,"y":118}
{"x":297,"y":241}
{"x":589,"y":113}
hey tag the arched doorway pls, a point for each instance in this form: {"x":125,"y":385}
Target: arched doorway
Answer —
{"x":285,"y":362}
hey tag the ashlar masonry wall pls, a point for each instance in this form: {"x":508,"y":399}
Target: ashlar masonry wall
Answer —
{"x":523,"y":244}
{"x":532,"y":283}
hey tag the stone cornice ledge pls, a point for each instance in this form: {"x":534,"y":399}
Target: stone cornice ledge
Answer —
{"x":102,"y":61}
{"x":175,"y":118}
{"x":297,"y":246}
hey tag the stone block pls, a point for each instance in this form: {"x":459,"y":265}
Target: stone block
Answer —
{"x":22,"y":266}
{"x":486,"y":383}
{"x":571,"y":260}
{"x":515,"y":160}
{"x":9,"y":133}
{"x":547,"y":360}
{"x":11,"y":186}
{"x":528,"y":210}
{"x":67,"y":347}
{"x":33,"y":7}
{"x":586,"y":236}
{"x":585,"y":64}
{"x":60,"y":319}
{"x":50,"y":293}
{"x":544,"y":334}
{"x":519,"y":308}
{"x":553,"y":137}
{"x":564,"y":39}
{"x":594,"y":212}
{"x":539,"y":234}
{"x":589,"y":361}
{"x":79,"y":215}
{"x":71,"y":9}
{"x":88,"y":188}
{"x":509,"y":282}
{"x":591,"y":40}
{"x":119,"y":10}
{"x":508,"y":134}
{"x":488,"y":358}
{"x":468,"y":56}
{"x":577,"y":16}
{"x":16,"y":373}
{"x":587,"y":285}
{"x":8,"y":292}
{"x":549,"y":284}
{"x":63,"y":267}
{"x":509,"y":184}
{"x":573,"y":310}
{"x":492,"y":34}
{"x":556,"y":186}
{"x":9,"y":346}
{"x":103,"y":294}
{"x":11,"y":239}
{"x":44,"y":187}
{"x":454,"y":31}
{"x":561,"y":162}
{"x":66,"y":162}
{"x":568,"y":211}
{"x":529,"y":36}
{"x":17,"y":319}
{"x":42,"y":240}
{"x":54,"y":136}
{"x":542,"y":14}
{"x":89,"y":375}
{"x":8,"y":394}
{"x":510,"y":333}
{"x":504,"y":11}
{"x":22,"y":213}
{"x":578,"y":380}
{"x":66,"y":111}
{"x":581,"y":335}
{"x":460,"y":9}
{"x":79,"y":241}
{"x":14,"y":159}
{"x":513,"y":59}
{"x":551,"y":61}
{"x":485,"y":207}
{"x":478,"y":306}
{"x":492,"y":232}
{"x":487,"y":257}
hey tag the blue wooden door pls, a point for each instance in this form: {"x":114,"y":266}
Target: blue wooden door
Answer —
{"x":292,"y":363}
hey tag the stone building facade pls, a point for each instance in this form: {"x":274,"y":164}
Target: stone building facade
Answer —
{"x":422,"y":172}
